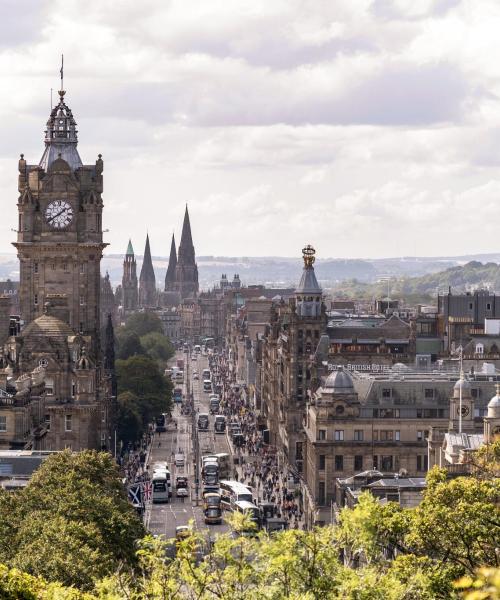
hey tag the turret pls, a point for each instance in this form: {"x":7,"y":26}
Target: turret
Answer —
{"x":147,"y":280}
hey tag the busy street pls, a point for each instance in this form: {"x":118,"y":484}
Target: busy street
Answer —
{"x":211,"y":456}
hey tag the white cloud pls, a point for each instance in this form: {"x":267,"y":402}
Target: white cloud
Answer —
{"x":367,"y":127}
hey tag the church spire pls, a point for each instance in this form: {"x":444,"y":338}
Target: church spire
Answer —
{"x":147,"y":279}
{"x":172,"y":263}
{"x":61,"y":135}
{"x":186,"y":238}
{"x":130,"y":250}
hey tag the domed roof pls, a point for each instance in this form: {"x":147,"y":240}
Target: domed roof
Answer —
{"x":47,"y":326}
{"x":339,"y":382}
{"x":400,"y":367}
{"x":495,"y":401}
{"x":462,"y":383}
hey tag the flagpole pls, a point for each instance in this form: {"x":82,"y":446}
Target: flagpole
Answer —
{"x":461,"y":385}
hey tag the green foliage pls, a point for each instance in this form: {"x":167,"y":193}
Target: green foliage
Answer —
{"x":130,"y":425}
{"x":484,"y":586}
{"x":143,"y":394}
{"x":128,"y":344}
{"x":158,"y":346}
{"x":72,"y":523}
{"x":143,"y":323}
{"x":423,"y":289}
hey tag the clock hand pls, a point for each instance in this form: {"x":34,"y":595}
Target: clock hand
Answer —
{"x":55,"y":216}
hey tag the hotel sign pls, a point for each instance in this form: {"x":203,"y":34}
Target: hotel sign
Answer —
{"x":375,"y":368}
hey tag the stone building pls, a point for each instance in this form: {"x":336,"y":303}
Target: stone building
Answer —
{"x":148,"y":297}
{"x":357,"y":422}
{"x":295,"y":330}
{"x":53,"y":393}
{"x":108,"y":302}
{"x":130,"y":294}
{"x":186,"y":270}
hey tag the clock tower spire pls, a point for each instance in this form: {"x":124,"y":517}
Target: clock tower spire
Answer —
{"x":59,"y":239}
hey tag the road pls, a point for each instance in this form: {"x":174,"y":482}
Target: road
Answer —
{"x":162,"y":519}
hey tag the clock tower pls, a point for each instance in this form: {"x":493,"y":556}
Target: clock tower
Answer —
{"x":59,"y":239}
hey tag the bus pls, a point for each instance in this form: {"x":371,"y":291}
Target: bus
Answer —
{"x":203,"y":421}
{"x":162,"y":471}
{"x":249,"y":508}
{"x":160,"y":424}
{"x":233,"y":491}
{"x":160,"y":483}
{"x":220,"y":424}
{"x":212,"y":509}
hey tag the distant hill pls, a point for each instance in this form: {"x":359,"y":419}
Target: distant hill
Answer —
{"x":472,"y":275}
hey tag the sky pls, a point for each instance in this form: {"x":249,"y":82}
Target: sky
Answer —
{"x":367,"y":128}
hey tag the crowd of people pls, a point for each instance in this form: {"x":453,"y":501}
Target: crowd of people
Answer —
{"x":258,"y":462}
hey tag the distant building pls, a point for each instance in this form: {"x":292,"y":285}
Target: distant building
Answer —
{"x":148,"y":297}
{"x":130,"y":292}
{"x":186,"y":270}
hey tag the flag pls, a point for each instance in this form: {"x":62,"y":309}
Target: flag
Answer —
{"x":134,"y":494}
{"x":147,"y":491}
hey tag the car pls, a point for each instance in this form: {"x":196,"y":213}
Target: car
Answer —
{"x":182,"y":492}
{"x":182,"y":532}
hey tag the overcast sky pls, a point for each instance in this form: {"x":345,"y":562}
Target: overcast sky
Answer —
{"x":364,"y":127}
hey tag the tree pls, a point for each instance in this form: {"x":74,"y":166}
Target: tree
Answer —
{"x":130,"y":424}
{"x":157,"y":346}
{"x":72,"y":522}
{"x":128,"y":344}
{"x":143,"y":323}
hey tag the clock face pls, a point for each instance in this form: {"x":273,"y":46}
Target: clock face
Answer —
{"x":465,"y":411}
{"x":59,"y":214}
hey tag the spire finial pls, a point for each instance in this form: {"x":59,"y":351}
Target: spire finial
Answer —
{"x":62,"y":75}
{"x":308,"y":255}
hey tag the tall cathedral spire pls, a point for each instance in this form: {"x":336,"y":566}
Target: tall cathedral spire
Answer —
{"x":129,"y":280}
{"x":172,"y":263}
{"x":186,"y":271}
{"x":147,"y":280}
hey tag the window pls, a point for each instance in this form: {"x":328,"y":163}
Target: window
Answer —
{"x":47,"y":422}
{"x":470,"y":305}
{"x":322,"y":434}
{"x":387,"y":463}
{"x":358,"y":435}
{"x":420,"y":435}
{"x":67,"y":423}
{"x":82,"y":300}
{"x":488,"y":306}
{"x":73,"y":389}
{"x":386,"y":436}
{"x":339,"y":435}
{"x":35,"y":267}
{"x":82,"y":268}
{"x":53,"y":266}
{"x":375,"y":462}
{"x":386,"y":392}
{"x":397,"y":436}
{"x":3,"y":423}
{"x":386,"y":413}
{"x":358,"y":463}
{"x":339,"y":462}
{"x":479,"y":349}
{"x":429,"y":392}
{"x":65,"y":266}
{"x":36,"y":300}
{"x":321,"y":492}
{"x":422,"y":462}
{"x":322,"y":462}
{"x":49,"y":387}
{"x":375,"y":435}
